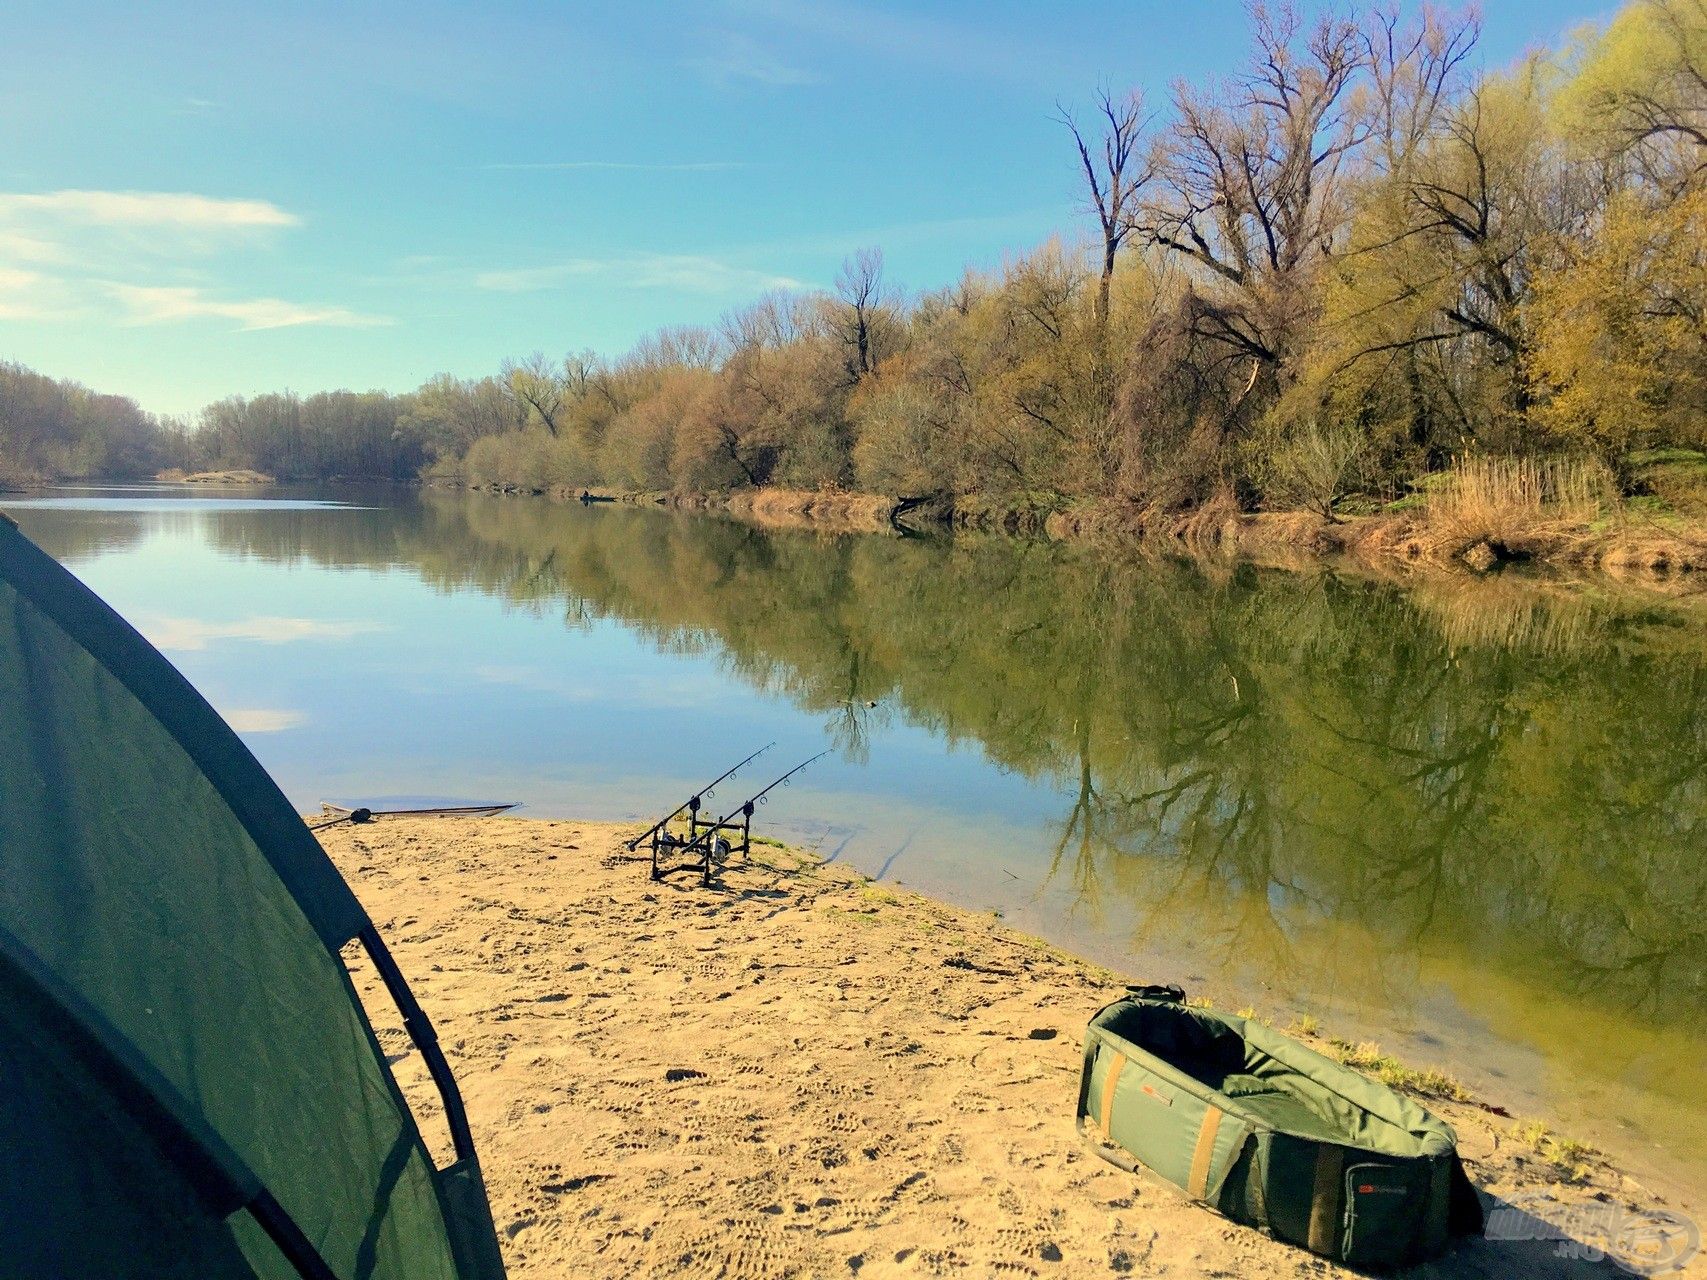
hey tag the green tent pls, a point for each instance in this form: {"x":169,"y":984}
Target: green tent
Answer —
{"x":188,"y":1083}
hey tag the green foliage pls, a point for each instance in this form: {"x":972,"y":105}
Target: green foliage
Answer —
{"x":335,"y":434}
{"x":1309,"y":467}
{"x":898,"y":433}
{"x":1353,"y":263}
{"x":1572,"y":1160}
{"x":1675,"y":479}
{"x":1621,"y":330}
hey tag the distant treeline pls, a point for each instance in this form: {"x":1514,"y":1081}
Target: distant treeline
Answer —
{"x":1323,"y":279}
{"x":51,"y":429}
{"x":63,"y":429}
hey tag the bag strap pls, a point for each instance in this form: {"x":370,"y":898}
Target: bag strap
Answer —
{"x":1327,"y":1201}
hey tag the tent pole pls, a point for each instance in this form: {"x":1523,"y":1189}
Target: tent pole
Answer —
{"x":220,"y":1176}
{"x":421,"y":1033}
{"x":282,"y":1229}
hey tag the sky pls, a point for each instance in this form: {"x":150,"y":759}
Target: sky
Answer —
{"x":199,"y":200}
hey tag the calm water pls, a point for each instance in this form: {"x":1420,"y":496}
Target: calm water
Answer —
{"x":1468,"y":822}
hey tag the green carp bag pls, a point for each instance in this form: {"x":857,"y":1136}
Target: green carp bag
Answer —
{"x":1271,"y":1133}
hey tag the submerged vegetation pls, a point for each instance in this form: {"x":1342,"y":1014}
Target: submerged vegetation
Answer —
{"x":1357,"y":277}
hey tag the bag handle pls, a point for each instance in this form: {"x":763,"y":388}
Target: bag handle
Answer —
{"x":1156,"y":991}
{"x":1116,"y":1156}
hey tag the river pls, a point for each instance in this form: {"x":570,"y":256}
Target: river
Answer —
{"x":1464,"y":819}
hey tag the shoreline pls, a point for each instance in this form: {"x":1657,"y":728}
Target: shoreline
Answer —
{"x":1628,"y":549}
{"x":802,"y":1072}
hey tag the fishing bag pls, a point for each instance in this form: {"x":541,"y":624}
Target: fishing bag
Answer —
{"x":1271,"y":1133}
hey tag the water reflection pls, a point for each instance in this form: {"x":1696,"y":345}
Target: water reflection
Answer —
{"x":1517,"y":775}
{"x":1332,"y":786}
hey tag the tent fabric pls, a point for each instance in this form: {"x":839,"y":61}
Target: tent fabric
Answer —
{"x":169,"y":936}
{"x":132,"y":1212}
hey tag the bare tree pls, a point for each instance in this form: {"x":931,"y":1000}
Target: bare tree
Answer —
{"x":1253,"y":188}
{"x":1414,"y":71}
{"x":774,"y":320}
{"x":690,"y":346}
{"x":1115,"y":180}
{"x":1249,"y":185}
{"x":859,"y":285}
{"x":537,"y":387}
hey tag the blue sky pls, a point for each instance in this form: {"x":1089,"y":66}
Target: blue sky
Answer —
{"x":205,"y":199}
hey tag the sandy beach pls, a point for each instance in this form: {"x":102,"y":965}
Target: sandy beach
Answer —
{"x":798,"y":1073}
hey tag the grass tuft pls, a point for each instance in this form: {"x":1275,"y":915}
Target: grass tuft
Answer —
{"x":1573,"y":1160}
{"x":882,"y":897}
{"x":1430,"y":1082}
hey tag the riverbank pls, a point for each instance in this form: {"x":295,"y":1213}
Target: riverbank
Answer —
{"x":799,"y":1073}
{"x":1630,"y":544}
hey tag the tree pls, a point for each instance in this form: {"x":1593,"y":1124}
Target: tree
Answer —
{"x":859,"y":287}
{"x":1642,"y":84}
{"x":684,"y":346}
{"x":1620,"y":332}
{"x":1115,"y":180}
{"x":899,"y":437}
{"x":1248,"y":186}
{"x":538,"y":389}
{"x":450,"y":414}
{"x":53,"y":429}
{"x":1307,"y":467}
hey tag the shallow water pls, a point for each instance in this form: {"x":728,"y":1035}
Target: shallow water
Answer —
{"x":1465,"y":820}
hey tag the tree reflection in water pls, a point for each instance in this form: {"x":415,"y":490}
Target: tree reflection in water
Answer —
{"x":1321,"y":777}
{"x":1310,"y":781}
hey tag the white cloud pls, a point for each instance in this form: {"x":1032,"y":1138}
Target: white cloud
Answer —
{"x":29,"y":295}
{"x":263,"y":719}
{"x":91,"y":237}
{"x":173,"y":304}
{"x":673,"y":692}
{"x":188,"y":634}
{"x":692,"y":273}
{"x":147,"y":209}
{"x":19,"y":246}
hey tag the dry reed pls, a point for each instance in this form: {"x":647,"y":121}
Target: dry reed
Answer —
{"x":1517,"y":506}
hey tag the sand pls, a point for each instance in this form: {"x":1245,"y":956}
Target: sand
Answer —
{"x":794,"y":1073}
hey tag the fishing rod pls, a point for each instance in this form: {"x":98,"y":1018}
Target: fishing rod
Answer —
{"x":332,"y":814}
{"x":692,"y":802}
{"x":352,"y":815}
{"x":706,"y":841}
